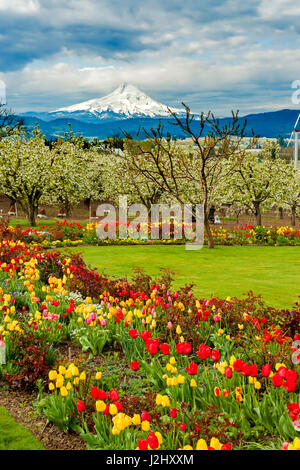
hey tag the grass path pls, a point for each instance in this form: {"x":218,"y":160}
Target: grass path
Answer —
{"x":273,"y":272}
{"x":13,"y":436}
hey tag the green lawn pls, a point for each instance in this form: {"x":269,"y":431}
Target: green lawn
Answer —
{"x":273,"y":272}
{"x":13,"y":436}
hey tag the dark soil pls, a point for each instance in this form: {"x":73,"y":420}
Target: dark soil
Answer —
{"x":20,"y":406}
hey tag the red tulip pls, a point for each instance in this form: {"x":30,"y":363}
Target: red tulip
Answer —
{"x":226,"y":447}
{"x":282,"y":371}
{"x":215,"y":355}
{"x":204,"y":351}
{"x":291,"y":375}
{"x":143,"y":444}
{"x":277,"y":380}
{"x":228,"y":372}
{"x":146,"y":335}
{"x":80,"y":405}
{"x":253,"y":370}
{"x":193,"y":369}
{"x":113,"y":394}
{"x":238,"y":365}
{"x":290,"y":385}
{"x":187,"y":348}
{"x":179,"y":348}
{"x":145,"y":416}
{"x":152,"y":440}
{"x":152,"y":347}
{"x":135,"y":365}
{"x":102,"y":395}
{"x":133,"y":333}
{"x":165,"y":348}
{"x":119,"y":405}
{"x":266,"y":370}
{"x":95,"y":392}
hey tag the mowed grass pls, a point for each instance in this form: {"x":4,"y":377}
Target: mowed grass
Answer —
{"x":13,"y":436}
{"x":273,"y":272}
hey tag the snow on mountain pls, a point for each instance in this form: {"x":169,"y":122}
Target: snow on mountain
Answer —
{"x":126,"y":101}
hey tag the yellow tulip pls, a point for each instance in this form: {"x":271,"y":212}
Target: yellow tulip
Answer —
{"x":145,"y":426}
{"x":136,"y":420}
{"x":64,"y":392}
{"x":201,"y":445}
{"x":100,"y":405}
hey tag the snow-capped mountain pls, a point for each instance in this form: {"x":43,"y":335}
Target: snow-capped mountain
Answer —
{"x":124,"y":102}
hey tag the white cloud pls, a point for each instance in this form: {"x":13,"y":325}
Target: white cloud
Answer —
{"x":23,"y":7}
{"x":211,"y":53}
{"x":258,"y":74}
{"x":277,"y":9}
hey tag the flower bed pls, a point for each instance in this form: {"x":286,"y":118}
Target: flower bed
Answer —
{"x":187,"y":374}
{"x":64,"y":233}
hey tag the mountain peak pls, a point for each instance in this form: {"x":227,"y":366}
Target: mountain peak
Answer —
{"x":125,"y":101}
{"x":125,"y":87}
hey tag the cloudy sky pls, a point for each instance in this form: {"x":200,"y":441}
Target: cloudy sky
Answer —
{"x":218,"y":55}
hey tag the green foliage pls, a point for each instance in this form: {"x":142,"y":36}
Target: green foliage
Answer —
{"x":59,"y":410}
{"x":92,"y":339}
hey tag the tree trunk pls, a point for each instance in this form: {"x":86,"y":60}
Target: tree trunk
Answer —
{"x":31,"y":214}
{"x":293,"y":215}
{"x":257,"y":213}
{"x":67,"y":211}
{"x":280,"y":212}
{"x":210,"y":240}
{"x":87,"y":202}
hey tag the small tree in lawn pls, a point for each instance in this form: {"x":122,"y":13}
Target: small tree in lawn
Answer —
{"x":192,"y":174}
{"x":26,"y":165}
{"x":257,"y":182}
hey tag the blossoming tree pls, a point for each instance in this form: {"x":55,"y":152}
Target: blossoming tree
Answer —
{"x":258,"y":182}
{"x":68,"y":180}
{"x":26,"y":165}
{"x":291,"y":196}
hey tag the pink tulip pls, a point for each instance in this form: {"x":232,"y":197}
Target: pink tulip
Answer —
{"x":216,"y":317}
